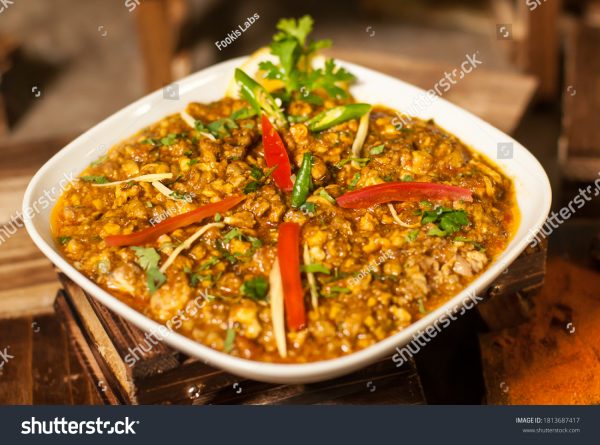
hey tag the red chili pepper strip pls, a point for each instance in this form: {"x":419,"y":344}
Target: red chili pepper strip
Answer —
{"x":401,"y":191}
{"x":276,"y":155}
{"x":288,"y":252}
{"x":173,"y":223}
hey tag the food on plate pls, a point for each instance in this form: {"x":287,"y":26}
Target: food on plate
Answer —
{"x":287,"y":222}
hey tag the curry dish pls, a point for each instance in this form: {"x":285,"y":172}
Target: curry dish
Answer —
{"x":287,"y":223}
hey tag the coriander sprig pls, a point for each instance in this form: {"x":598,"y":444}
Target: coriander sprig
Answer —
{"x":291,"y":45}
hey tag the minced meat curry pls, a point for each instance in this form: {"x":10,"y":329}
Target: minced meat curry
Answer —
{"x":289,"y":224}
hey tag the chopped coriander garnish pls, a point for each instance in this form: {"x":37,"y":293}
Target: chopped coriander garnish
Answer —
{"x":62,"y":240}
{"x":360,"y":161}
{"x":260,"y":176}
{"x":477,"y":245}
{"x":154,"y":279}
{"x":169,"y":139}
{"x":355,"y":180}
{"x":315,"y":268}
{"x":323,"y":194}
{"x":179,"y":195}
{"x":412,"y":235}
{"x":388,"y":178}
{"x":448,"y":221}
{"x":220,"y":128}
{"x":148,"y":258}
{"x":152,"y":141}
{"x":229,"y":340}
{"x":377,"y":150}
{"x":243,"y":113}
{"x":209,"y":263}
{"x":308,"y":207}
{"x":462,"y":239}
{"x":256,"y":243}
{"x":422,"y":309}
{"x":233,"y":233}
{"x":407,"y":178}
{"x":335,"y":290}
{"x":194,"y":278}
{"x":217,"y":217}
{"x":436,"y":231}
{"x":252,"y":187}
{"x":200,"y":127}
{"x":232,"y":258}
{"x":192,"y":162}
{"x":95,"y":179}
{"x":255,"y":288}
{"x":256,"y":172}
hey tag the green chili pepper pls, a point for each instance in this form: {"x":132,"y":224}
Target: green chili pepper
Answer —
{"x":303,"y":182}
{"x":259,"y":98}
{"x":337,"y":115}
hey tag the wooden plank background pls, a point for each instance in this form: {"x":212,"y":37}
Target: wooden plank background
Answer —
{"x":45,"y":369}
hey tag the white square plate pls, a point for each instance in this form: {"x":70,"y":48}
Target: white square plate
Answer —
{"x":532,"y":191}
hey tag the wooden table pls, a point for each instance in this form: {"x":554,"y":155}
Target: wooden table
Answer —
{"x":43,"y":369}
{"x":500,"y":98}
